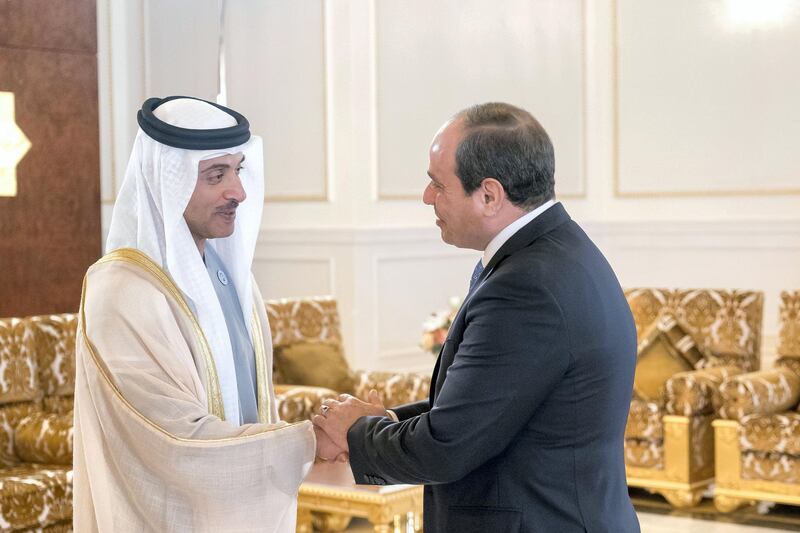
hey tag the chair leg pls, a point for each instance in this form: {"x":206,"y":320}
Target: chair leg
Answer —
{"x":728,"y":504}
{"x":682,"y":498}
{"x":329,"y":521}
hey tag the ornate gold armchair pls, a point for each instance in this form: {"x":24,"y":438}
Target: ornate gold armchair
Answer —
{"x":689,"y":341}
{"x":758,"y":435}
{"x":309,"y":364}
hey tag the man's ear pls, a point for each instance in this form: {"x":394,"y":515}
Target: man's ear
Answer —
{"x":492,"y":196}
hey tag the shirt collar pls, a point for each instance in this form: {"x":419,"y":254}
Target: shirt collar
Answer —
{"x":506,"y":233}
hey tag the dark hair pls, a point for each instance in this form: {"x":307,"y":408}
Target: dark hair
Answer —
{"x":506,"y":143}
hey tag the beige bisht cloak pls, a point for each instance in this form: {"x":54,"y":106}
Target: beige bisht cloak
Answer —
{"x":152,"y":451}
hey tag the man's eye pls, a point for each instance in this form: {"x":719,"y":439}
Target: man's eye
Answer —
{"x":215,"y":177}
{"x":239,"y":168}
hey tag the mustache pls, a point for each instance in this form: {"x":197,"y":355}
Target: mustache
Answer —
{"x":230,"y":206}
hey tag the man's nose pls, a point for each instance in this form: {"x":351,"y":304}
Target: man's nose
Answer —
{"x":235,"y":190}
{"x":428,"y":195}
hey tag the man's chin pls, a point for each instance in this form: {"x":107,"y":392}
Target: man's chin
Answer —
{"x":222,"y":232}
{"x":446,"y":238}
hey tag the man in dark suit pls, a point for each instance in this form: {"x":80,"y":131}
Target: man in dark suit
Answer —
{"x":524,"y":427}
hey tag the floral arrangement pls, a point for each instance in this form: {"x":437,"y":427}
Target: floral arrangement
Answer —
{"x":435,"y":327}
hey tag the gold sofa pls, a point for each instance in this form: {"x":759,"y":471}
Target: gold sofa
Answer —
{"x":669,"y":444}
{"x":36,"y":386}
{"x":758,"y":434}
{"x":37,"y":381}
{"x":307,"y":340}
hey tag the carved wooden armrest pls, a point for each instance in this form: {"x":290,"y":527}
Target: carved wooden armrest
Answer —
{"x":298,"y":402}
{"x":696,"y":392}
{"x":395,"y":388}
{"x":763,"y":392}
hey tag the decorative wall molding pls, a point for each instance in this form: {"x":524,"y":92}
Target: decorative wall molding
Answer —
{"x":348,"y":236}
{"x":428,"y":270}
{"x":702,"y":235}
{"x":760,"y":255}
{"x":293,"y":273}
{"x":726,"y":46}
{"x":759,"y":234}
{"x":376,"y":141}
{"x":284,"y":90}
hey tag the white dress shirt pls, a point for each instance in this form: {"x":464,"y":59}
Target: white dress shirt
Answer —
{"x":507,"y":232}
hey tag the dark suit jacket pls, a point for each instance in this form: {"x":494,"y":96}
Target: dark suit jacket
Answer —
{"x":525,"y":423}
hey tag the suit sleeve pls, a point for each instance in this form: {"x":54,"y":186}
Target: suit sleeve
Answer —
{"x":513,"y":353}
{"x":410,"y":410}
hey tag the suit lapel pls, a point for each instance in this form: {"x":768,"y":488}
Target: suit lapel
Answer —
{"x":544,"y":223}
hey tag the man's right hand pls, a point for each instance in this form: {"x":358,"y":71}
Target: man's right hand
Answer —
{"x":327,"y":450}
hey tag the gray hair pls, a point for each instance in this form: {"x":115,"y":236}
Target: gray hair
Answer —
{"x":506,"y":143}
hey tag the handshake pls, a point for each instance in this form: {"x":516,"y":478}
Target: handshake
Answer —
{"x":334,"y":419}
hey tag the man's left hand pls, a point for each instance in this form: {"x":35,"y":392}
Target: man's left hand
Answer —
{"x":336,"y":417}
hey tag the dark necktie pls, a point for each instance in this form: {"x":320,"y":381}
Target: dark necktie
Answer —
{"x":476,"y":274}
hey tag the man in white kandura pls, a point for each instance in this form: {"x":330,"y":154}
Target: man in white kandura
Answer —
{"x":176,"y":427}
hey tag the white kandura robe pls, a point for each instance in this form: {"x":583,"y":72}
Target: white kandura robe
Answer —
{"x":152,"y":452}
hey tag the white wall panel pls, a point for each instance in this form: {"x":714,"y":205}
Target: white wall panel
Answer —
{"x":292,"y":277}
{"x":707,"y":97}
{"x":410,"y":287}
{"x":387,"y":281}
{"x":682,"y":98}
{"x":275,"y":61}
{"x":121,"y":79}
{"x":436,"y":57}
{"x":181,"y":47}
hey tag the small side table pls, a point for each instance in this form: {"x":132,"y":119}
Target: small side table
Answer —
{"x":330,"y":488}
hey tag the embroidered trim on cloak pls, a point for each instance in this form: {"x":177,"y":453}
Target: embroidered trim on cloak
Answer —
{"x":136,"y":257}
{"x":129,"y":255}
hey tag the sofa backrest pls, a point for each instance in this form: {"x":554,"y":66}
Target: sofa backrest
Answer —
{"x":20,"y":391}
{"x":789,"y":332}
{"x":314,"y":319}
{"x":726,"y":324}
{"x":19,"y":378}
{"x":51,"y":338}
{"x":789,"y":324}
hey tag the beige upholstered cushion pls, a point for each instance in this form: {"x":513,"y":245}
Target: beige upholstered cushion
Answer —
{"x":57,"y":404}
{"x":277,"y":374}
{"x":789,"y":335}
{"x":722,"y":322}
{"x":297,"y":403}
{"x":665,"y":351}
{"x":52,"y":340}
{"x":644,"y":421}
{"x":315,"y":363}
{"x":768,"y":466}
{"x":306,"y":319}
{"x":697,"y":392}
{"x":45,"y":438}
{"x":791,"y":362}
{"x":644,"y":453}
{"x":35,"y":496}
{"x":394,"y":388}
{"x":10,"y":416}
{"x":771,"y":433}
{"x":763,"y":392}
{"x":18,"y":379}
